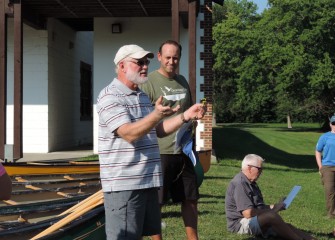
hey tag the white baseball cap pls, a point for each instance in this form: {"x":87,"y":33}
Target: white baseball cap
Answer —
{"x":132,"y":51}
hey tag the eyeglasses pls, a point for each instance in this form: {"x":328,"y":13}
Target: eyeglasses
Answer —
{"x":260,"y":169}
{"x":332,"y":123}
{"x":141,"y":62}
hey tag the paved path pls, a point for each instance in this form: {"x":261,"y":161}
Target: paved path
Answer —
{"x":59,"y":155}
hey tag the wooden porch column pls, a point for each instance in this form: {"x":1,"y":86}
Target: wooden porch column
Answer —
{"x":192,"y":12}
{"x":18,"y":81}
{"x":3,"y":77}
{"x":175,"y":20}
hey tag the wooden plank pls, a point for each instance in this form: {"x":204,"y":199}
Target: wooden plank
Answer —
{"x":183,"y":5}
{"x":33,"y":187}
{"x":3,"y":77}
{"x":68,"y":177}
{"x":52,"y":169}
{"x":192,"y":48}
{"x":64,"y":194}
{"x":84,"y":162}
{"x":10,"y":202}
{"x":18,"y":81}
{"x":175,"y":20}
{"x":20,"y":179}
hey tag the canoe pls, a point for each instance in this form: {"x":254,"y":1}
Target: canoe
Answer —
{"x":51,"y":167}
{"x":48,"y":190}
{"x":32,"y":188}
{"x":88,"y":226}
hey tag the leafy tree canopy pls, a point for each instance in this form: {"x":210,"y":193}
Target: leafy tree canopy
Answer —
{"x":278,"y":63}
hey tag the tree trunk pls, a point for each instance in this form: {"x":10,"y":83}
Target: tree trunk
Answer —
{"x":289,"y":124}
{"x":214,"y":120}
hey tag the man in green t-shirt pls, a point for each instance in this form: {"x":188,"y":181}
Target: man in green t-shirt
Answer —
{"x":179,"y":178}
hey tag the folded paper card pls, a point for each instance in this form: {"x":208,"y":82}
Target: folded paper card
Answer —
{"x":288,"y":200}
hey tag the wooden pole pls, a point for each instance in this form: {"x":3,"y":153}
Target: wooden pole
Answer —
{"x":192,"y":55}
{"x":3,"y":77}
{"x":98,"y":194}
{"x":18,"y":80}
{"x":81,"y":210}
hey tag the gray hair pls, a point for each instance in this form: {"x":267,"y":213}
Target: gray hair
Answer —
{"x":251,"y":159}
{"x":122,"y":60}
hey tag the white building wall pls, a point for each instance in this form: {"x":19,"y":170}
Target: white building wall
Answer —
{"x":67,"y":49}
{"x":51,"y":87}
{"x":148,"y":33}
{"x":51,"y":70}
{"x":200,"y":79}
{"x":35,"y":88}
{"x":106,"y":44}
{"x":184,"y":69}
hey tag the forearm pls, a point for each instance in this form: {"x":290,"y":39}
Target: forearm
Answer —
{"x":170,"y":125}
{"x":135,"y":130}
{"x":318,"y":157}
{"x":252,"y":212}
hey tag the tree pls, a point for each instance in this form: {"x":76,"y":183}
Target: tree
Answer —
{"x":275,"y":65}
{"x":236,"y":17}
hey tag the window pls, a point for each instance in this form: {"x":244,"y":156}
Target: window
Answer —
{"x":85,"y":91}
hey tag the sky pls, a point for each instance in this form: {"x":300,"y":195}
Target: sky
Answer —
{"x":261,"y":4}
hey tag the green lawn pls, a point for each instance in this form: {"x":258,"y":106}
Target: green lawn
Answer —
{"x":289,"y":161}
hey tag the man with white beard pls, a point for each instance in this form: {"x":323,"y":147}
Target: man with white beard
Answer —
{"x":130,"y":165}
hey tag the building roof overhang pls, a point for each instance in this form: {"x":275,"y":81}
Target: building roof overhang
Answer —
{"x":79,"y":14}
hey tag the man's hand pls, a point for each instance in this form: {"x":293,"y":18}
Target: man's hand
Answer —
{"x":164,"y":111}
{"x":279,"y":206}
{"x":195,"y":112}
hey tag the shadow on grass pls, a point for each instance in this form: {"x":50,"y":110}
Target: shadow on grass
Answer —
{"x":215,"y":177}
{"x":241,"y":142}
{"x":171,"y":214}
{"x":279,"y":127}
{"x":318,"y":235}
{"x":211,"y":196}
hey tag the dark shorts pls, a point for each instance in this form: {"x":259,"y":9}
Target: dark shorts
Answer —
{"x":132,"y":214}
{"x":179,"y":179}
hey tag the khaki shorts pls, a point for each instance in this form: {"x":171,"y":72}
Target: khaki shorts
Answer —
{"x":251,"y":226}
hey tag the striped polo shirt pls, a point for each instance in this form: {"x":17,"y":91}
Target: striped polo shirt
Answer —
{"x":124,"y":165}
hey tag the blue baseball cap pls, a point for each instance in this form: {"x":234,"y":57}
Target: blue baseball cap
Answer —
{"x":332,"y":119}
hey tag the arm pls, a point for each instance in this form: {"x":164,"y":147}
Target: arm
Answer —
{"x":318,"y":157}
{"x":5,"y":184}
{"x":168,"y":126}
{"x":251,"y":212}
{"x":135,"y":130}
{"x":278,"y":206}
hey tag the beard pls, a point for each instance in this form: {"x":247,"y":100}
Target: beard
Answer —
{"x":135,"y":77}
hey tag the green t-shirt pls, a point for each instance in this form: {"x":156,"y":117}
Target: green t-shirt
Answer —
{"x":174,"y":91}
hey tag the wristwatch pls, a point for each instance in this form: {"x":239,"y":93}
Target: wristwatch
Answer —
{"x":183,"y":118}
